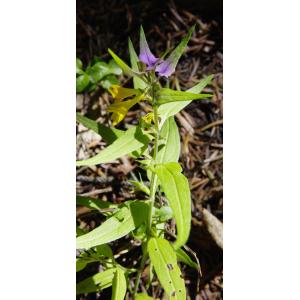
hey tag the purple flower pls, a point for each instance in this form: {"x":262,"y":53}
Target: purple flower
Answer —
{"x":166,"y":67}
{"x":146,"y":55}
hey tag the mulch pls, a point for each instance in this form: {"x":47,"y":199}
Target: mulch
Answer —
{"x":107,"y":24}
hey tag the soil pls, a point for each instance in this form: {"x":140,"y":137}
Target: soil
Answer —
{"x":107,"y":24}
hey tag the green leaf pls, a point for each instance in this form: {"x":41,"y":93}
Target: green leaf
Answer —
{"x":114,"y":68}
{"x":82,"y":82}
{"x":164,"y":260}
{"x":98,"y":71}
{"x":176,"y":188}
{"x":119,"y":285}
{"x":140,"y":186}
{"x":142,"y":296}
{"x":96,"y":282}
{"x":92,"y":203}
{"x":184,"y":257}
{"x":137,"y":82}
{"x":120,"y":224}
{"x":78,"y":66}
{"x":165,"y":95}
{"x":108,"y":81}
{"x":170,"y":109}
{"x":126,"y":69}
{"x":169,"y":146}
{"x":133,"y":139}
{"x":108,"y":134}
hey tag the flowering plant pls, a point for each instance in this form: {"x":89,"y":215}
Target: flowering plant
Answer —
{"x":155,"y":144}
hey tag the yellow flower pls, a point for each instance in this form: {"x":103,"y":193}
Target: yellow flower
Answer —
{"x":119,"y":92}
{"x":120,"y":108}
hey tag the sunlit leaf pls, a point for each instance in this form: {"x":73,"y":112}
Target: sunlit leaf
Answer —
{"x":165,"y":95}
{"x":132,"y":140}
{"x":96,"y":282}
{"x":169,"y":144}
{"x":108,"y":134}
{"x":176,"y":188}
{"x":164,"y":260}
{"x":120,"y":224}
{"x":126,"y":69}
{"x":92,"y":203}
{"x":119,"y":285}
{"x":170,"y":109}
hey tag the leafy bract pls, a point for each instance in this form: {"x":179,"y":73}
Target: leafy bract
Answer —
{"x":165,"y":95}
{"x":133,"y":139}
{"x":96,"y":282}
{"x":126,"y":69}
{"x":185,"y":258}
{"x":142,"y":296}
{"x":176,"y":188}
{"x":167,"y":67}
{"x":137,"y":82}
{"x":119,"y":285}
{"x":118,"y":225}
{"x":108,"y":134}
{"x":170,"y":109}
{"x":164,"y":260}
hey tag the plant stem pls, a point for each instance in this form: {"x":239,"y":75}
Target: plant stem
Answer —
{"x":153,"y":183}
{"x":138,"y":276}
{"x":153,"y":186}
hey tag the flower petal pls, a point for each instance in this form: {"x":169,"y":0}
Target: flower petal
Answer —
{"x":120,"y":108}
{"x":146,"y":55}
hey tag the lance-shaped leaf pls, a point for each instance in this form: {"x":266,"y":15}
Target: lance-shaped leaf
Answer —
{"x":164,"y":260}
{"x":170,"y":109}
{"x":120,"y":224}
{"x":137,"y":82}
{"x":96,"y":282}
{"x":126,"y":69}
{"x":167,"y":67}
{"x":119,"y":285}
{"x":108,"y":134}
{"x":169,"y":144}
{"x":165,"y":95}
{"x":94,"y":204}
{"x":176,"y":188}
{"x":184,"y":257}
{"x":143,"y":296}
{"x":133,"y":139}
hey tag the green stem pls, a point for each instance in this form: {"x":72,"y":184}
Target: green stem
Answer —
{"x":138,"y":276}
{"x":153,"y":183}
{"x":153,"y":186}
